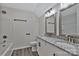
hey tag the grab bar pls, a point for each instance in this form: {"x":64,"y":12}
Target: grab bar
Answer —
{"x":20,"y":20}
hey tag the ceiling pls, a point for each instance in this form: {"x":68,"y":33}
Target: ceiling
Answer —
{"x":36,"y":8}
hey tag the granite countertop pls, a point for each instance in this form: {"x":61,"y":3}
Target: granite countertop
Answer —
{"x":62,"y":44}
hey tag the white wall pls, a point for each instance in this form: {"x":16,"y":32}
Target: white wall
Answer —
{"x":41,"y":25}
{"x":8,"y":26}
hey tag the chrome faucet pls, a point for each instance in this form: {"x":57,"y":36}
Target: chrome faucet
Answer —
{"x":72,"y":38}
{"x":4,"y":41}
{"x":66,"y":37}
{"x":69,"y":38}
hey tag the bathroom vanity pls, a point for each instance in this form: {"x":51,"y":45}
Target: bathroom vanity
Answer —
{"x":49,"y":46}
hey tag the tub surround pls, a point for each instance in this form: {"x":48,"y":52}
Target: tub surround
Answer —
{"x":6,"y":50}
{"x":62,"y":44}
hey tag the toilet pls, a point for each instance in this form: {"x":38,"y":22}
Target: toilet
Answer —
{"x":34,"y":46}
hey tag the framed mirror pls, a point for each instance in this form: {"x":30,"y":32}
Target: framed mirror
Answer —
{"x":68,"y":21}
{"x":50,"y":25}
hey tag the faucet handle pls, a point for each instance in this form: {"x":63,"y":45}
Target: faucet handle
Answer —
{"x":4,"y":41}
{"x":66,"y":35}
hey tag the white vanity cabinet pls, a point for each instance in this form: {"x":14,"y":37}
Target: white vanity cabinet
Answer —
{"x":42,"y":48}
{"x":47,"y":49}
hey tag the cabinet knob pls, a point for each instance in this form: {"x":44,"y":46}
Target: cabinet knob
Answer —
{"x":39,"y":44}
{"x":4,"y":41}
{"x":54,"y":54}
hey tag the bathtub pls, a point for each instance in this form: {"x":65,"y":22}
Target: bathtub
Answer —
{"x":6,"y":50}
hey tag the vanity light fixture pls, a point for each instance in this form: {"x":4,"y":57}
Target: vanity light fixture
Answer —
{"x":52,"y":12}
{"x":47,"y":14}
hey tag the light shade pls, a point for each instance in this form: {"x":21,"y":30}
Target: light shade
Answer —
{"x":48,"y":14}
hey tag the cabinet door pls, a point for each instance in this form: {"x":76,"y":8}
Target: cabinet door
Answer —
{"x":52,"y":50}
{"x":45,"y":49}
{"x":57,"y":51}
{"x":41,"y":47}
